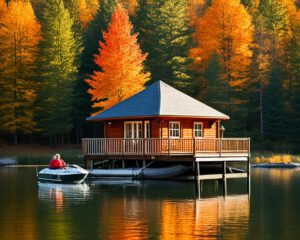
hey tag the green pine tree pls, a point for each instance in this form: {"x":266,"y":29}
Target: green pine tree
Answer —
{"x":216,"y":87}
{"x":166,"y":36}
{"x":293,"y":69}
{"x":274,"y":112}
{"x":58,"y":69}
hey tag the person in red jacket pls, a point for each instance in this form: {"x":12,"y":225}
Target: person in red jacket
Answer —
{"x":57,"y":162}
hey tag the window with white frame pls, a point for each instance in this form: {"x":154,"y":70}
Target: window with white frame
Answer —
{"x":198,"y":129}
{"x":174,"y":128}
{"x":133,"y":129}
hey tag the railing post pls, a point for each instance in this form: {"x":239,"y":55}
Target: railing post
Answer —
{"x":83,"y":147}
{"x":220,"y":147}
{"x":169,"y":146}
{"x":249,"y":145}
{"x":194,"y":147}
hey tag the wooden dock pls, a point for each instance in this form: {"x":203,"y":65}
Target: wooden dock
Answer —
{"x":197,"y":151}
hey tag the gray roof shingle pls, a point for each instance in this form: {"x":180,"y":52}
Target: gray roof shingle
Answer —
{"x":158,"y":100}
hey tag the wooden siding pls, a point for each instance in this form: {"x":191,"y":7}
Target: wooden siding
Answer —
{"x":160,"y":128}
{"x":154,"y":131}
{"x":114,"y":130}
{"x":210,"y":129}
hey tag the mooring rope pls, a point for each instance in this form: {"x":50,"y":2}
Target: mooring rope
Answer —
{"x":136,"y":173}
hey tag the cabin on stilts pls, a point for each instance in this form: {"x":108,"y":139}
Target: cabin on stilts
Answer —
{"x":163,"y":124}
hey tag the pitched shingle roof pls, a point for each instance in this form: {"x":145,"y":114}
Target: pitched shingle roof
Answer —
{"x":158,"y":100}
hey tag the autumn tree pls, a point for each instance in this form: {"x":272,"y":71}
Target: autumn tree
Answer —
{"x":121,"y":61}
{"x":20,"y":35}
{"x":57,"y":69}
{"x":229,"y":35}
{"x":196,"y":10}
{"x":82,"y":11}
{"x":291,"y":62}
{"x":165,"y":34}
{"x":130,"y":5}
{"x":270,"y":36}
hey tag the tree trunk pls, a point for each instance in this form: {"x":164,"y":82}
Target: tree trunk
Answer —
{"x":261,"y":110}
{"x":15,"y":138}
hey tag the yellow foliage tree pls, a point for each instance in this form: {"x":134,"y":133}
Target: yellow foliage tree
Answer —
{"x":121,"y":61}
{"x":225,"y":30}
{"x":20,"y":35}
{"x":87,"y":11}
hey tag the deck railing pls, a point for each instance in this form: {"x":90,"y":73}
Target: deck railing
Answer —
{"x":166,"y":146}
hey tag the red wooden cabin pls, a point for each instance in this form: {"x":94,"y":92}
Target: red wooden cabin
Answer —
{"x":163,"y":123}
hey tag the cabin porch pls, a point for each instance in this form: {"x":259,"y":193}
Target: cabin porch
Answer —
{"x":194,"y":152}
{"x":196,"y":149}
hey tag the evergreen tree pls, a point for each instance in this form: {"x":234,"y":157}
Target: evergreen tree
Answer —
{"x":166,"y":35}
{"x":215,"y":86}
{"x":274,"y":112}
{"x":270,"y":38}
{"x":58,"y":69}
{"x":293,"y":70}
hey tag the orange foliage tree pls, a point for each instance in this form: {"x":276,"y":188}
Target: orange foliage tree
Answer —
{"x":121,"y":62}
{"x":225,"y":30}
{"x":20,"y":35}
{"x":87,"y":11}
{"x":195,"y":11}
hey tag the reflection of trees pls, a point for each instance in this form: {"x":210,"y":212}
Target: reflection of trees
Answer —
{"x":206,"y":219}
{"x":59,"y":196}
{"x":18,"y":206}
{"x":124,"y":219}
{"x":136,"y":216}
{"x":276,"y":210}
{"x":19,"y":221}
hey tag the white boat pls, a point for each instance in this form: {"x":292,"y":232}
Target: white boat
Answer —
{"x":70,"y":174}
{"x":158,"y":173}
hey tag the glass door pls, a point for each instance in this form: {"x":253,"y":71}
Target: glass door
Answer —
{"x":132,"y":133}
{"x":133,"y":130}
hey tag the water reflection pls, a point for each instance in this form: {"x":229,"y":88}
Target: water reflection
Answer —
{"x":169,"y":210}
{"x":142,"y":209}
{"x":63,"y":193}
{"x":276,"y":176}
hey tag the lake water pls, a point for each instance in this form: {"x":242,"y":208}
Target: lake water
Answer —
{"x":150,"y":209}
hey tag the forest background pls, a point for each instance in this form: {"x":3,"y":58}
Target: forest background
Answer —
{"x":240,"y":57}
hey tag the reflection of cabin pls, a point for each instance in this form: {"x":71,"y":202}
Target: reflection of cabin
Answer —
{"x":162,"y":123}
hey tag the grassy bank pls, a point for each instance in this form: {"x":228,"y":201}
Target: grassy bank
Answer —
{"x":34,"y":154}
{"x":270,"y":157}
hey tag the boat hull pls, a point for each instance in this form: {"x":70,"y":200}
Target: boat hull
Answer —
{"x":74,"y":174}
{"x":147,"y":173}
{"x":72,"y":178}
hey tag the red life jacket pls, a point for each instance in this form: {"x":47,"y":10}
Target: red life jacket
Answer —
{"x":57,"y":164}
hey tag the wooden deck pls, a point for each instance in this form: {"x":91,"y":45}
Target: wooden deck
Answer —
{"x":198,"y":149}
